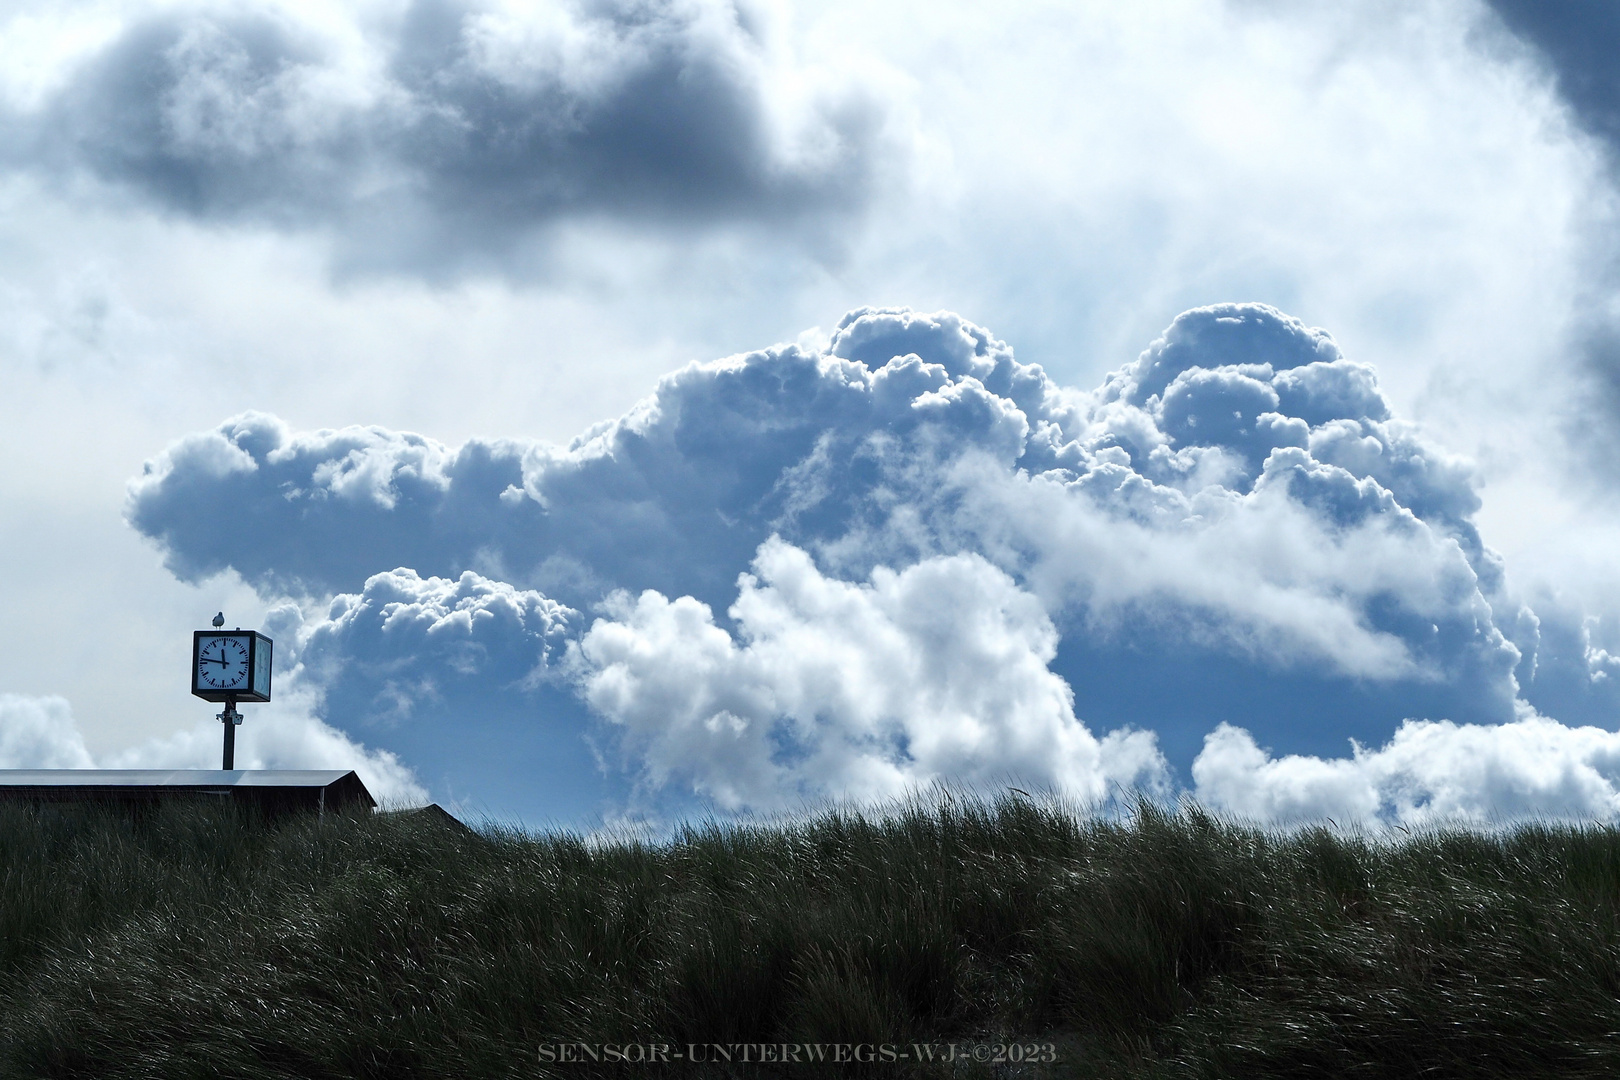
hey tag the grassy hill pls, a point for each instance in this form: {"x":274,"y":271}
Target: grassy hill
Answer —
{"x":200,"y":943}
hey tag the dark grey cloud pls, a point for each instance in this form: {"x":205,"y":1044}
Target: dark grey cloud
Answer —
{"x":456,"y":135}
{"x":196,"y":114}
{"x":1233,"y":527}
{"x":1579,"y":40}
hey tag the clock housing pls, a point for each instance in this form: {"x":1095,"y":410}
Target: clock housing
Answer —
{"x":231,"y":665}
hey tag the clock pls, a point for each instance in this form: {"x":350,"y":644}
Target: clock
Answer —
{"x":230,"y":665}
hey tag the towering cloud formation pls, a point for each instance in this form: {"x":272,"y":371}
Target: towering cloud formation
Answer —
{"x":1234,"y":512}
{"x":449,"y":134}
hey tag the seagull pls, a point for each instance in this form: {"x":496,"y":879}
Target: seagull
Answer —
{"x":219,"y":620}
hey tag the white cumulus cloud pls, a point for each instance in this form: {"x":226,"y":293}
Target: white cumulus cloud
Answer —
{"x":1429,"y":772}
{"x":40,"y":733}
{"x":934,"y":673}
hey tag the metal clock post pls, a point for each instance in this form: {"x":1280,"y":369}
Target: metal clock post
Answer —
{"x":230,"y":717}
{"x":230,"y":666}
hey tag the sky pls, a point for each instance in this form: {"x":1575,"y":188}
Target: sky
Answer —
{"x":624,"y":411}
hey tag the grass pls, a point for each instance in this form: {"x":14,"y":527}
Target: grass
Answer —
{"x":199,"y":942}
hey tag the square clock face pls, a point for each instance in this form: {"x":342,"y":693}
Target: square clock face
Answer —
{"x":231,"y":664}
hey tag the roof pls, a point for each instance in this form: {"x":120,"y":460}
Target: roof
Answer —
{"x":301,"y":778}
{"x":431,"y":812}
{"x":316,"y":787}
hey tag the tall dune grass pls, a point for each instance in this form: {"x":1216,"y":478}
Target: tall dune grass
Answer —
{"x":201,"y":942}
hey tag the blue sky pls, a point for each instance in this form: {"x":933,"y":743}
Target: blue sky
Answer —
{"x":619,"y":411}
